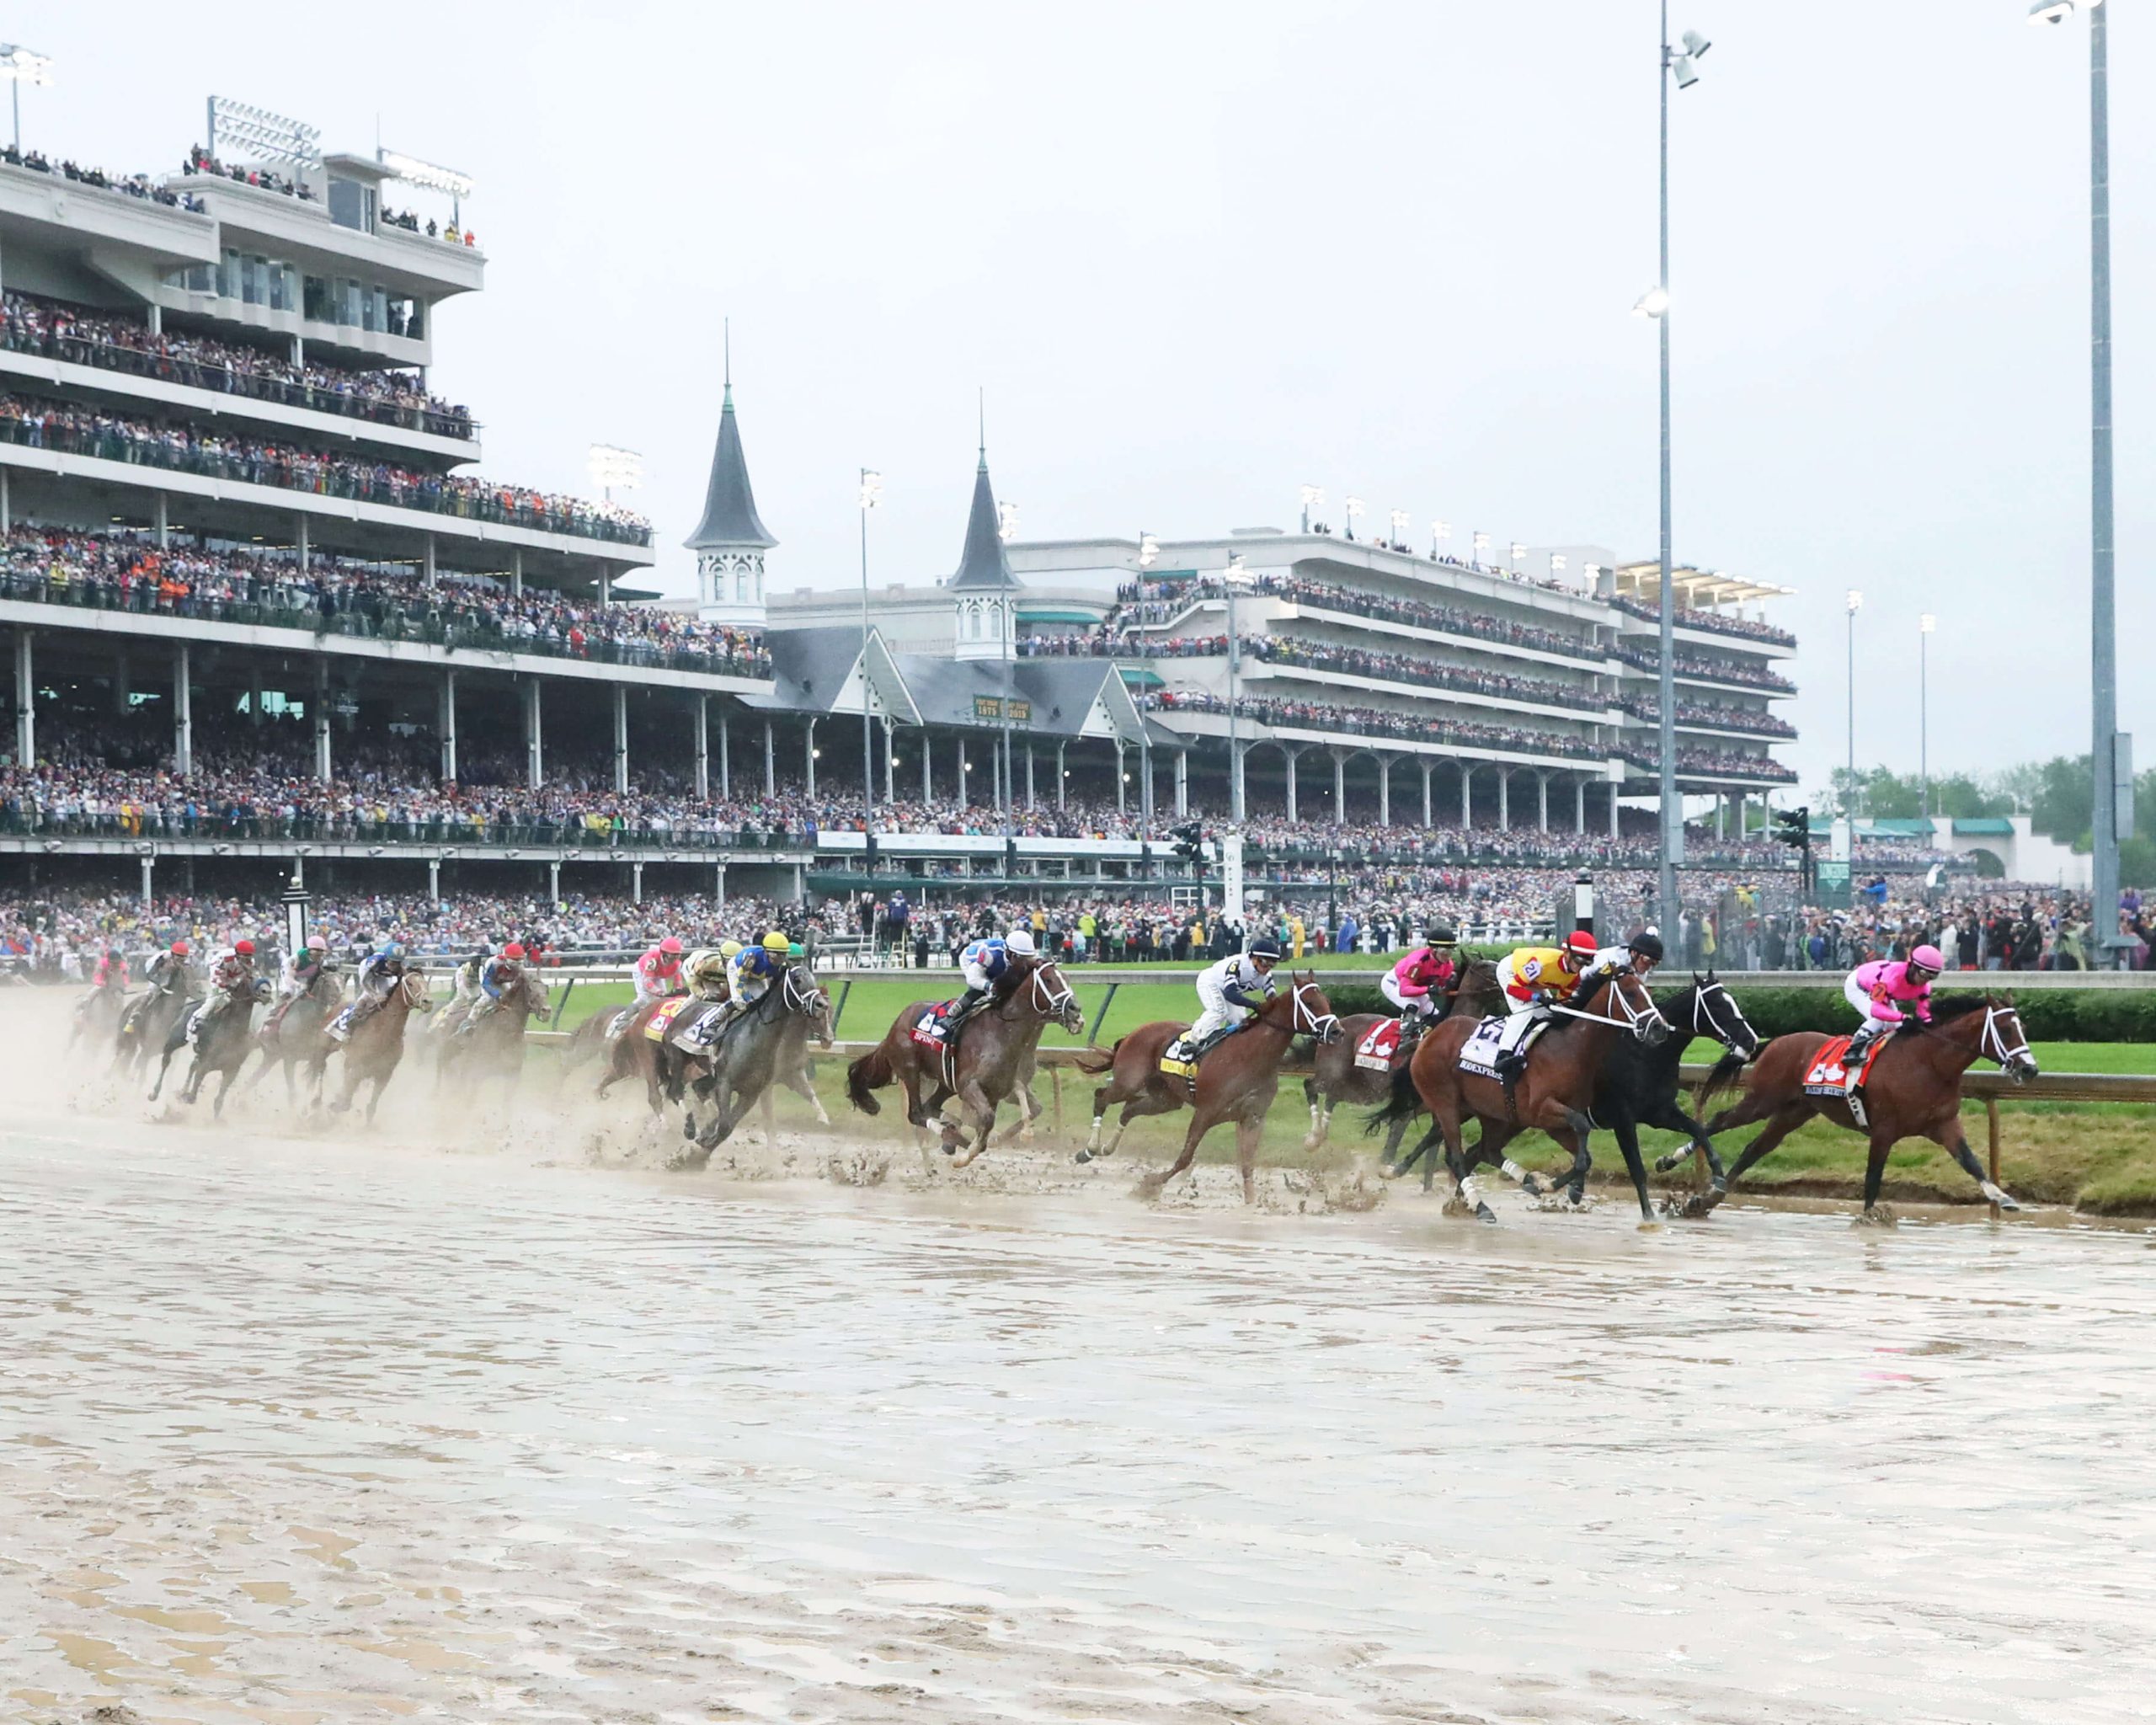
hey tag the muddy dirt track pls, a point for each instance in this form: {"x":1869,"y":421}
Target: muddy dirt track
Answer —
{"x":304,"y":1428}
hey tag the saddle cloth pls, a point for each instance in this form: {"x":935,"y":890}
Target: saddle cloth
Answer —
{"x":1176,"y":1060}
{"x":660,"y":1022}
{"x":340,"y":1026}
{"x":1479,"y":1055}
{"x":933,"y":1026}
{"x":700,"y":1031}
{"x":1378,"y":1049}
{"x":1827,"y":1076}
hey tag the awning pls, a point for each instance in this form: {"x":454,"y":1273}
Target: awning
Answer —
{"x":1027,"y":615}
{"x":1139,"y":676}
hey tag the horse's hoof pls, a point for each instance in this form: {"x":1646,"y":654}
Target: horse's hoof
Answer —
{"x":1483,"y":1213}
{"x":1880,"y":1216}
{"x":1663,"y":1164}
{"x":1456,"y":1206}
{"x":1534,"y":1186}
{"x":1083,"y":1157}
{"x":1387,"y":1172}
{"x":1697,"y":1205}
{"x":1650,"y":1225}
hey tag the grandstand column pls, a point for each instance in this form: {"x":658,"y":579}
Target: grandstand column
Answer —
{"x":622,"y":739}
{"x":1293,"y":752}
{"x":1613,"y":808}
{"x":964,"y":801}
{"x":1061,"y":776}
{"x":1467,"y":793}
{"x":516,"y":574}
{"x":1429,"y":814}
{"x":725,"y":760}
{"x":554,"y":880}
{"x":700,"y":744}
{"x":298,"y":538}
{"x":123,"y":687}
{"x":1182,"y":783}
{"x":809,"y":756}
{"x":718,"y":886}
{"x":1542,"y":792}
{"x":1384,"y":787}
{"x":149,"y":873}
{"x":7,"y":504}
{"x":1145,"y":780}
{"x":534,"y":759}
{"x":770,"y":762}
{"x":163,"y":522}
{"x":1579,"y":807}
{"x":636,"y":883}
{"x":427,"y":560}
{"x":446,"y":726}
{"x":1504,"y":799}
{"x":182,"y":710}
{"x":433,"y":880}
{"x":1121,"y":802}
{"x":891,"y":763}
{"x":1030,"y":803}
{"x":25,"y":702}
{"x":321,"y":716}
{"x":605,"y":585}
{"x":1340,"y":785}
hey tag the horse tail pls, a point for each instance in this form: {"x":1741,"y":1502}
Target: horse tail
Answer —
{"x":1728,"y":1070}
{"x":1407,"y":1102}
{"x":869,"y":1073}
{"x":1094,"y":1061}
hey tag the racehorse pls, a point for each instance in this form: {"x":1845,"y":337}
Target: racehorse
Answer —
{"x":995,"y":1055}
{"x":1638,"y":1086}
{"x":494,"y":1046}
{"x":147,"y":1024}
{"x":1914,"y":1089}
{"x":296,"y":1038}
{"x":98,"y":1015}
{"x":1553,"y":1093}
{"x":1337,"y":1077}
{"x":222,"y":1047}
{"x":628,"y":1052}
{"x":376,"y":1043}
{"x":768,"y":1043}
{"x":1237,"y":1080}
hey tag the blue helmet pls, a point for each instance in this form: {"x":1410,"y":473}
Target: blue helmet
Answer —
{"x":389,"y":949}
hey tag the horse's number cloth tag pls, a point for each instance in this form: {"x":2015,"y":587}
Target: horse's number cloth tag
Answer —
{"x":1376,"y":1050}
{"x":700,"y":1032}
{"x":932,"y":1026}
{"x":1479,"y":1054}
{"x":341,"y":1025}
{"x":1827,"y":1076}
{"x":1176,"y":1058}
{"x":662,"y":1021}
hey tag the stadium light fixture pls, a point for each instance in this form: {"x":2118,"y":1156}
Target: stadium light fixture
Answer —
{"x":1352,"y":508}
{"x":1519,"y":551}
{"x":1313,"y":498}
{"x":1482,"y":544}
{"x":2054,"y":11}
{"x":266,"y":136}
{"x":22,"y":65}
{"x":1557,"y":563}
{"x":432,"y":175}
{"x":614,"y":468}
{"x":1148,"y":550}
{"x":872,"y":488}
{"x":1400,"y":525}
{"x":872,"y":494}
{"x":1006,"y":521}
{"x":1653,"y":303}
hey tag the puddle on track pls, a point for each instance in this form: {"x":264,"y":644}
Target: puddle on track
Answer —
{"x":314,"y":1430}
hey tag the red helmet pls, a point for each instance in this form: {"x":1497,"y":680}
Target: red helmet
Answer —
{"x":1580,"y":941}
{"x":179,"y":950}
{"x":670,"y":945}
{"x":244,"y":949}
{"x":513,"y":950}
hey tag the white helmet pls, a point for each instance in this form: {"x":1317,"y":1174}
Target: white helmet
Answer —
{"x":1018,"y":943}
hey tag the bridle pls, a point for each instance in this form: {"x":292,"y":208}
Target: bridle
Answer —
{"x":1324,"y":1026}
{"x":810,"y":1001}
{"x":1055,"y":1000}
{"x":2017,"y":1061}
{"x":1634,"y":1017}
{"x":1712,"y":1026}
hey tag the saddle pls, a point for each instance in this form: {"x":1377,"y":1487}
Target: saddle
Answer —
{"x":657,"y":1026}
{"x":701,"y":1030}
{"x":1828,"y":1076}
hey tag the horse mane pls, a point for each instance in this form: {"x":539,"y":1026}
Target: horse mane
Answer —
{"x":1946,"y":1010}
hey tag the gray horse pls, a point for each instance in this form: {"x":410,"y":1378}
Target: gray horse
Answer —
{"x":766,"y":1044}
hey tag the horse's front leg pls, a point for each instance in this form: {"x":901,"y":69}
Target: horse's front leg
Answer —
{"x":797,"y":1083}
{"x":1671,"y":1118}
{"x":1949,"y":1136}
{"x":978,"y":1114}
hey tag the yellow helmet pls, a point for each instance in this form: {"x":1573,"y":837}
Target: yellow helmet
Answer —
{"x":731,"y":949}
{"x":776,"y":942}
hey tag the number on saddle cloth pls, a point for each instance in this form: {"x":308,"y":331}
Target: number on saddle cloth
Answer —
{"x":932,"y":1028}
{"x":1479,"y":1054}
{"x":340,"y":1026}
{"x":662,"y":1021}
{"x":1826,"y":1075}
{"x":1378,"y":1049}
{"x":700,"y":1031}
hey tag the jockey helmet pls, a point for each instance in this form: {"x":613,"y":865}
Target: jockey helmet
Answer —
{"x":1647,"y":944}
{"x":392,"y":949}
{"x":669,"y":945}
{"x":1018,"y":943}
{"x":1926,"y":958}
{"x":1579,"y":946}
{"x":243,"y":949}
{"x":179,"y":950}
{"x":318,"y":943}
{"x":1443,"y":935}
{"x":513,"y":951}
{"x":730,"y":949}
{"x":1265,"y":951}
{"x":776,"y":942}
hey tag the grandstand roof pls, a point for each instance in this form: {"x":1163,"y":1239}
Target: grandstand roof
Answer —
{"x":1697,"y":588}
{"x":730,"y":520}
{"x":984,"y":566}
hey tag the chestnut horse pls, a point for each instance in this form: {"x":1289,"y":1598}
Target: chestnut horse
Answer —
{"x":1237,"y":1080}
{"x":994,"y":1057}
{"x":1554,"y":1092}
{"x":1914,"y":1090}
{"x":1335,"y":1076}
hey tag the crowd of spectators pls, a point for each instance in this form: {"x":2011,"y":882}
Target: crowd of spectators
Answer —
{"x":128,"y":571}
{"x":131,"y":186}
{"x":183,"y":446}
{"x":1365,"y":721}
{"x":1715,"y":714}
{"x":1717,"y":622}
{"x":448,"y":233}
{"x":1712,"y":763}
{"x":201,"y":160}
{"x":1154,"y":602}
{"x":80,"y":336}
{"x":1725,"y":670}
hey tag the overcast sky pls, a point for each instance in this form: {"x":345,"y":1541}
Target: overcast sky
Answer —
{"x":1198,"y":255}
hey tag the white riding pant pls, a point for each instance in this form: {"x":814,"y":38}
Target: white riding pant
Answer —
{"x":1410,"y":1006}
{"x":1524,"y":1016}
{"x":1219,"y":1012}
{"x":1853,"y":991}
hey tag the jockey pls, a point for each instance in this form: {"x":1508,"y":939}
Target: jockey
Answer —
{"x":1417,"y":984}
{"x":379,"y":973}
{"x":111,"y":969}
{"x":1230,"y":991}
{"x":1888,"y":992}
{"x":984,"y":964}
{"x":704,"y":971}
{"x":1535,"y":979}
{"x":1643,"y":952}
{"x":231,"y":983}
{"x":465,"y":984}
{"x":170,"y":969}
{"x":658,"y":972}
{"x":497,"y":976}
{"x":749,"y":974}
{"x":302,"y":970}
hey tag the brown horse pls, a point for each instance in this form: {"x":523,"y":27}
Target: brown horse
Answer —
{"x":376,"y":1043}
{"x":627,"y":1053}
{"x":1237,"y":1080}
{"x":1336,"y":1077}
{"x":491,"y":1045}
{"x":996,"y":1055}
{"x":1914,"y":1090}
{"x":1554,"y":1092}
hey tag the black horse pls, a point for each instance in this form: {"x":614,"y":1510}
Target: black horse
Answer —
{"x":1638,"y":1086}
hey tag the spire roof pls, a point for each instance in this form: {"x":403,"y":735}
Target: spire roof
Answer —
{"x":730,"y":518}
{"x":984,"y":567}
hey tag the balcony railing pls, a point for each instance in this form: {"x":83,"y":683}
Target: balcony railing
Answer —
{"x":249,"y":826}
{"x":325,"y":475}
{"x":451,"y":624}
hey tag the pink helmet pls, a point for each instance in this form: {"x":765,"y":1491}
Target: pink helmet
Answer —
{"x":669,"y":945}
{"x":1926,"y":958}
